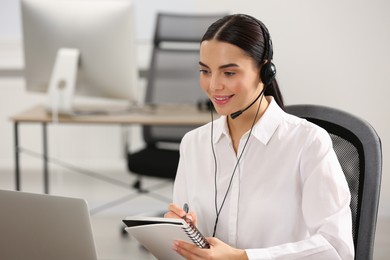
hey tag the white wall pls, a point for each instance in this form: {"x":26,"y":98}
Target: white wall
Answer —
{"x":333,"y":53}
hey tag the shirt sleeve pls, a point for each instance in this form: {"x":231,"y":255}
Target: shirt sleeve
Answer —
{"x":325,"y":207}
{"x":180,"y":195}
{"x":314,"y":248}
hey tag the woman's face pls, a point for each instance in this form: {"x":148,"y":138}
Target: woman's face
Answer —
{"x":228,"y":76}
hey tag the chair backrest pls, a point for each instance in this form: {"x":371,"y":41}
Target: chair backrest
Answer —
{"x":358,"y":148}
{"x":173,"y":73}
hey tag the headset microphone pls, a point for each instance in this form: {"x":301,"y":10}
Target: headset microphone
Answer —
{"x":239,"y":112}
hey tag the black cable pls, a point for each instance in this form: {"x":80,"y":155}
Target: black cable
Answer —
{"x":215,"y":160}
{"x":218,"y":212}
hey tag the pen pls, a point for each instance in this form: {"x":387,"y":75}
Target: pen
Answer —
{"x":185,"y":208}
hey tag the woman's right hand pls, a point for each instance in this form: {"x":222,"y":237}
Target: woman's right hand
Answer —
{"x":174,"y":211}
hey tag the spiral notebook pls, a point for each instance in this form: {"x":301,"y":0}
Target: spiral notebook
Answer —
{"x":157,"y":234}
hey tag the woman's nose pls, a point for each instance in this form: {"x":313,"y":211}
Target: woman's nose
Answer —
{"x":216,"y":83}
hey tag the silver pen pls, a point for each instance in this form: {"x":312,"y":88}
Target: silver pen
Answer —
{"x":186,"y":209}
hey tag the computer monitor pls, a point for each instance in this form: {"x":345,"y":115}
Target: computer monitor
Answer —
{"x":83,"y":47}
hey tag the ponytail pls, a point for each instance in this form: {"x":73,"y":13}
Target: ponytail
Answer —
{"x":274,"y":91}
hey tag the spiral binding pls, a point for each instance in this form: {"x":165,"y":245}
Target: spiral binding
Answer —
{"x":195,"y":235}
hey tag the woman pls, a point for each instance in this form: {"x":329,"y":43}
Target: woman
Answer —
{"x":260,"y":183}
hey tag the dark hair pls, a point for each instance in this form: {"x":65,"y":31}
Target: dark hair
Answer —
{"x":247,"y":33}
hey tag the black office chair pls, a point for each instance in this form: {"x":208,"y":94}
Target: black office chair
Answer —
{"x":172,"y":78}
{"x":358,"y":148}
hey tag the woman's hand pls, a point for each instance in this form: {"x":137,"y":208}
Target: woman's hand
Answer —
{"x":174,"y":211}
{"x":217,"y":250}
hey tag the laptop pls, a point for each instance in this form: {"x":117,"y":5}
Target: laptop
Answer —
{"x":44,"y":227}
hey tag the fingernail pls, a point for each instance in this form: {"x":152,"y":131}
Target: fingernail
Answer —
{"x":174,"y":245}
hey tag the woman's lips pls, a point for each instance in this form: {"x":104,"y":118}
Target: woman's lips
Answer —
{"x":222,"y":100}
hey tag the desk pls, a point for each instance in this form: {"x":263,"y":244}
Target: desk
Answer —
{"x":179,"y":115}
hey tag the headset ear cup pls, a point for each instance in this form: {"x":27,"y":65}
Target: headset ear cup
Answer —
{"x":268,"y":73}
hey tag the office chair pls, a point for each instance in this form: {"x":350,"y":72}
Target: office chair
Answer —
{"x":358,"y":148}
{"x":172,"y":78}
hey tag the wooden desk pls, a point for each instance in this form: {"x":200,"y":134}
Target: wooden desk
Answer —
{"x":173,"y":115}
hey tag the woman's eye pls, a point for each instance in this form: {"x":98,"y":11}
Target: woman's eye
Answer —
{"x":229,"y":73}
{"x":203,"y":71}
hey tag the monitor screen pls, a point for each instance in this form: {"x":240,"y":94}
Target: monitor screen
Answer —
{"x":102,"y":32}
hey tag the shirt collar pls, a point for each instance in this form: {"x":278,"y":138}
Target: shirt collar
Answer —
{"x":269,"y":122}
{"x":220,"y":129}
{"x":263,"y":130}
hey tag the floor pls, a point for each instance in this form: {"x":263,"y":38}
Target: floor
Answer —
{"x":110,"y":199}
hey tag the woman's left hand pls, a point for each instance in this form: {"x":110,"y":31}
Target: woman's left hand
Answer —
{"x":217,"y":250}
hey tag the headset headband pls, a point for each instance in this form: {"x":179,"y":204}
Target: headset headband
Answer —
{"x":268,"y":53}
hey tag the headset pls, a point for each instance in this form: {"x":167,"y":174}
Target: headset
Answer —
{"x":268,"y":69}
{"x":267,"y":75}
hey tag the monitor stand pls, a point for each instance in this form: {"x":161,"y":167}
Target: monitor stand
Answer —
{"x":62,"y":89}
{"x":62,"y":82}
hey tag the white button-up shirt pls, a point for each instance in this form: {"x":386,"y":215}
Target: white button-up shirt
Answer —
{"x":289,"y":198}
